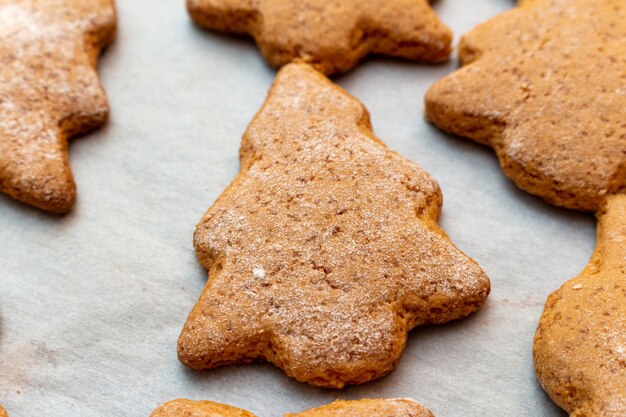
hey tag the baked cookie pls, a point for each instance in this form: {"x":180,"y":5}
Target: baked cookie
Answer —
{"x":368,"y":408}
{"x":49,"y":93}
{"x":333,"y":36}
{"x":580,"y":346}
{"x":324,"y":251}
{"x":3,"y":413}
{"x":188,"y":408}
{"x":551,"y":105}
{"x":362,"y":408}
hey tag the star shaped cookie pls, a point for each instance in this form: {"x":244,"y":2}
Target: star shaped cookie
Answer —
{"x":545,"y":86}
{"x":580,"y":346}
{"x":333,"y":36}
{"x":49,"y":92}
{"x":362,"y":408}
{"x":325,"y":251}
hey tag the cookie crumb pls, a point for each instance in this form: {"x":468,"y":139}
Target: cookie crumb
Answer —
{"x":577,"y":287}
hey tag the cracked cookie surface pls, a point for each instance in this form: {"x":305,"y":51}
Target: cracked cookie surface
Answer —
{"x":324,"y":251}
{"x":332,"y":35}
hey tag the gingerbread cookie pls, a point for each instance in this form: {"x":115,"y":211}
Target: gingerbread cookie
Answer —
{"x":550,"y":104}
{"x":580,"y":346}
{"x":325,"y":251}
{"x":188,"y":408}
{"x":49,"y":93}
{"x":333,"y":36}
{"x":362,"y":408}
{"x":368,"y":408}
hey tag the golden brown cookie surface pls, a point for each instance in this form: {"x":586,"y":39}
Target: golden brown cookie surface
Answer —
{"x":362,"y":408}
{"x":332,"y":35}
{"x":188,"y":408}
{"x":368,"y":408}
{"x":49,"y":92}
{"x":324,"y":251}
{"x":3,"y":413}
{"x":580,"y":346}
{"x":545,"y":86}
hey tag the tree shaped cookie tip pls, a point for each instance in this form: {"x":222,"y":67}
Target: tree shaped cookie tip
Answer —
{"x":333,"y":36}
{"x":49,"y":92}
{"x":325,"y":251}
{"x":361,"y":408}
{"x":545,"y":86}
{"x":580,"y":346}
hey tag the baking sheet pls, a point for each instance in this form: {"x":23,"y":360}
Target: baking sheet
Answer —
{"x":91,"y":304}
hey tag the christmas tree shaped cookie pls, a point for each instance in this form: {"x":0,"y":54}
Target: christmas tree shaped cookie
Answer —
{"x":49,"y":92}
{"x":362,"y":408}
{"x":333,"y":36}
{"x":545,"y":86}
{"x":580,"y":346}
{"x":325,"y":251}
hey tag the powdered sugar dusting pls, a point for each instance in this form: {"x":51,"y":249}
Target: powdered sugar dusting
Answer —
{"x":48,"y":84}
{"x":344,"y":231}
{"x":258,"y":273}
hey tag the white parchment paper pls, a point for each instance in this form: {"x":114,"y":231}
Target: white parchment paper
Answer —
{"x":91,"y":304}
